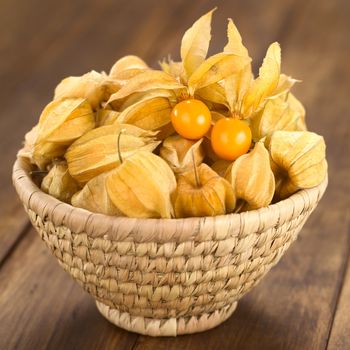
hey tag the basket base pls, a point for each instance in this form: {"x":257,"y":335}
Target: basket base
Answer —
{"x":165,"y":327}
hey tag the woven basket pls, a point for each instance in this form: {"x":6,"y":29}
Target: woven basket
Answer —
{"x":164,"y":277}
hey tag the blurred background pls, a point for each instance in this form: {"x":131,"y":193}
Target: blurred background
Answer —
{"x":304,"y":302}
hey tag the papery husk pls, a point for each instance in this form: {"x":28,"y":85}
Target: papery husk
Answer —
{"x":146,"y":81}
{"x":211,"y":195}
{"x":266,"y":83}
{"x":285,"y":83}
{"x":236,"y":85}
{"x":141,"y":186}
{"x":97,"y":151}
{"x":94,"y":196}
{"x":127,"y":67}
{"x":214,"y":93}
{"x":106,"y":117}
{"x":216,"y":68}
{"x":220,"y":166}
{"x":179,"y":153}
{"x":90,"y":86}
{"x":175,"y":69}
{"x":46,"y":152}
{"x":297,"y":160}
{"x":252,"y":179}
{"x":149,"y":113}
{"x":59,"y":184}
{"x":137,"y":97}
{"x":63,"y":121}
{"x":29,"y":143}
{"x":195,"y":43}
{"x":278,"y":114}
{"x":298,"y":109}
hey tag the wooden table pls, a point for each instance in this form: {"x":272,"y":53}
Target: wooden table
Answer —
{"x":304,"y":302}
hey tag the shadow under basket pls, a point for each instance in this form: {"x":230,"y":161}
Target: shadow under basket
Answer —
{"x":165,"y":277}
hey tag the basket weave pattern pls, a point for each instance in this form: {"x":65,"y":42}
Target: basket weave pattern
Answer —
{"x":165,"y":277}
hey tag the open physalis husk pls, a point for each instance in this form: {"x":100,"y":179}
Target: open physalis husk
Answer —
{"x":179,"y":153}
{"x":127,"y":67}
{"x":61,"y":122}
{"x":214,"y":93}
{"x":141,"y":186}
{"x":266,"y":83}
{"x":59,"y":184}
{"x":281,"y":113}
{"x":202,"y":192}
{"x":216,"y":68}
{"x":195,"y":44}
{"x":297,"y":160}
{"x":237,"y":85}
{"x":90,"y":86}
{"x":97,"y":151}
{"x":252,"y":179}
{"x":94,"y":196}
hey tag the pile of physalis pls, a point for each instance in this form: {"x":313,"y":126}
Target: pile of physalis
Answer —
{"x":200,"y":137}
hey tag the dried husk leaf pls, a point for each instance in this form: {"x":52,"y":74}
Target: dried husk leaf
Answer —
{"x":213,"y":195}
{"x":216,"y":68}
{"x":179,"y":153}
{"x":266,"y":83}
{"x":285,"y":83}
{"x":127,"y":67}
{"x":146,"y":81}
{"x":298,"y":109}
{"x":148,"y":114}
{"x":195,"y":43}
{"x":141,"y":186}
{"x":63,"y":121}
{"x":175,"y":69}
{"x":252,"y":179}
{"x":97,"y":151}
{"x":106,"y":117}
{"x":46,"y":152}
{"x":278,"y":114}
{"x":29,"y":143}
{"x":89,"y":86}
{"x":214,"y":93}
{"x":59,"y":184}
{"x":297,"y":160}
{"x":136,"y":97}
{"x":220,"y":166}
{"x":94,"y":196}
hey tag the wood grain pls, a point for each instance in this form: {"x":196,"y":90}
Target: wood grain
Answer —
{"x":303,"y":303}
{"x":43,"y":308}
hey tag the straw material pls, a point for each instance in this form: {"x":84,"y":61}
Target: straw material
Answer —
{"x":164,"y":277}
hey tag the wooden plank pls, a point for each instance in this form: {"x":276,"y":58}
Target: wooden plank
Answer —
{"x":340,"y":334}
{"x":43,"y":308}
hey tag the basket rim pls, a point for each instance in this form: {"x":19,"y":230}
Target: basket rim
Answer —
{"x":156,"y":229}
